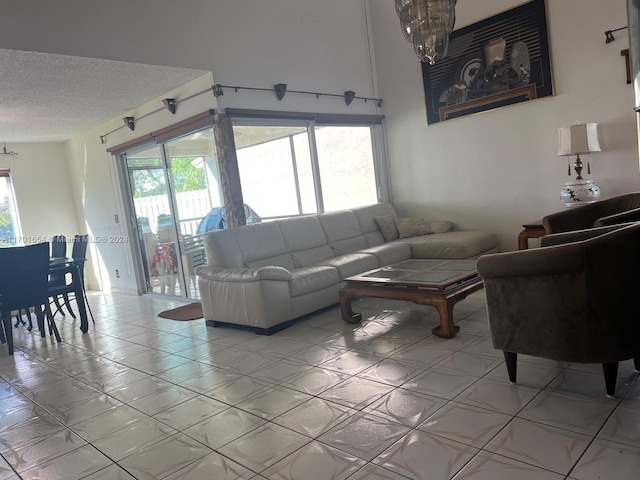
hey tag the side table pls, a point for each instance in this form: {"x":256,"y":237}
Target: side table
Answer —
{"x":531,"y":230}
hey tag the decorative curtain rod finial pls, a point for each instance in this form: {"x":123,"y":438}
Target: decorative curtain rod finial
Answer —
{"x":281,"y":89}
{"x":129,"y":122}
{"x":349,"y":95}
{"x":170,"y":104}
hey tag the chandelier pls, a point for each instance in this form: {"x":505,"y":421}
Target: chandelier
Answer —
{"x":427,"y":25}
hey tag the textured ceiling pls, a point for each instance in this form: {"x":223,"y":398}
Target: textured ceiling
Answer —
{"x":50,"y":98}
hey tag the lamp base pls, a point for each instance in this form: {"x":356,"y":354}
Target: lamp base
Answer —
{"x":579,"y":192}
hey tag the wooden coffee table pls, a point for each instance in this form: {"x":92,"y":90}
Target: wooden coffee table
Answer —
{"x":439,"y":283}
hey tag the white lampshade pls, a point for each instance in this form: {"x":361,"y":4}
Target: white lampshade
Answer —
{"x":577,"y":139}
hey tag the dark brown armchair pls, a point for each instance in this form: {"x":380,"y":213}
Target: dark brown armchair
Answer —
{"x":620,"y":209}
{"x":571,"y":302}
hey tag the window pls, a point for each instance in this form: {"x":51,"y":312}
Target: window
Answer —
{"x":305,"y":167}
{"x":9,"y":224}
{"x":345,"y":158}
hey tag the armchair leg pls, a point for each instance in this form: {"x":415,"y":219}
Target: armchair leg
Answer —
{"x":610,"y":377}
{"x":511,"y":359}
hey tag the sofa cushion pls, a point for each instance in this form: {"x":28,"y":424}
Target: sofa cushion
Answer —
{"x":302,"y":233}
{"x":284,"y":261}
{"x":366,"y":215}
{"x":374,"y":238}
{"x":389,"y":253}
{"x":451,"y":245}
{"x":261,"y":241}
{"x":306,"y":258}
{"x":339,"y":225}
{"x":387,"y":227}
{"x":349,"y":245}
{"x":413,"y":227}
{"x":222,"y":249}
{"x":352,"y":263}
{"x":305,"y":240}
{"x":311,"y":279}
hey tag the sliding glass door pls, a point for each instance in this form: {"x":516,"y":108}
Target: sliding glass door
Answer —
{"x":172,"y":188}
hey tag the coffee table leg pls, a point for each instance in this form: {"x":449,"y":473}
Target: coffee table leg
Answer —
{"x":446,"y":329}
{"x":345,"y":307}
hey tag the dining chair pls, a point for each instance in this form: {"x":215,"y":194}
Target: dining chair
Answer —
{"x":58,"y":250}
{"x":26,"y":287}
{"x":65,"y":289}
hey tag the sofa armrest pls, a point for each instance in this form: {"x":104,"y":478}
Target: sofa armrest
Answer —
{"x":539,"y":261}
{"x":243,"y":274}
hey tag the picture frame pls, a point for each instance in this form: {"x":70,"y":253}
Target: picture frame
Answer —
{"x":502,"y":60}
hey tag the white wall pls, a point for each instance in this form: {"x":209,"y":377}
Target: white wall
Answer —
{"x":43,"y":191}
{"x":499,"y":169}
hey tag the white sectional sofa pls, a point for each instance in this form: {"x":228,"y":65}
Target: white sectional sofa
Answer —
{"x":266,"y":275}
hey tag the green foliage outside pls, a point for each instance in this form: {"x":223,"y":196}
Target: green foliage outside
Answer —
{"x":7,"y":233}
{"x":150,"y":181}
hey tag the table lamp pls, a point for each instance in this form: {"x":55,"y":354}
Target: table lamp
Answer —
{"x":579,"y":139}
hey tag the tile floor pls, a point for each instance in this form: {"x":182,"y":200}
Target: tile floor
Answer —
{"x":148,"y":398}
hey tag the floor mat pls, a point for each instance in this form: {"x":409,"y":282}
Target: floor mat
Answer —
{"x":191,"y":311}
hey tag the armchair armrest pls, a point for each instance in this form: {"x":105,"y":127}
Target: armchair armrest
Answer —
{"x":578,"y":235}
{"x":539,"y":261}
{"x":243,"y":274}
{"x":632,"y":215}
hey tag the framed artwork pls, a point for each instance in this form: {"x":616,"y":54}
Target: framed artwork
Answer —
{"x":496,"y":62}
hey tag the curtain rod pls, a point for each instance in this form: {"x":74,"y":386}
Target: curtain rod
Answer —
{"x":169,"y":104}
{"x":280,"y":90}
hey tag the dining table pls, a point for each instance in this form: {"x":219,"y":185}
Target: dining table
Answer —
{"x":63,"y":265}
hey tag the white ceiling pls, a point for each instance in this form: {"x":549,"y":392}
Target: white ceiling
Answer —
{"x":51,"y":98}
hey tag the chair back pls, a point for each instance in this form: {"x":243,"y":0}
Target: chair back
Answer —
{"x":59,"y":246}
{"x":26,"y":284}
{"x":79,"y":250}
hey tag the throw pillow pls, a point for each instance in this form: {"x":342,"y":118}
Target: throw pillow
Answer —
{"x":441,"y":226}
{"x":387,"y":227}
{"x":413,"y":227}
